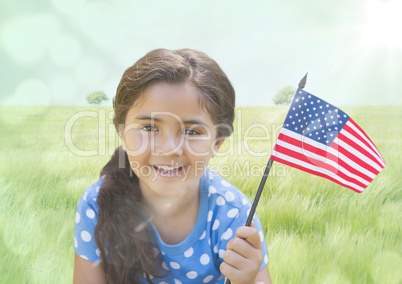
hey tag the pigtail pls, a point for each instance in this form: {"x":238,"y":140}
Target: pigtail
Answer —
{"x":123,"y":234}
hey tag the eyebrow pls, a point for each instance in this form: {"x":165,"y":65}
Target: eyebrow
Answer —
{"x":186,"y":122}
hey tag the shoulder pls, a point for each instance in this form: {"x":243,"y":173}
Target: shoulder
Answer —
{"x":223,"y":192}
{"x":90,"y":195}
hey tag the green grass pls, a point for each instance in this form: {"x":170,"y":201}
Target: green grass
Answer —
{"x":316,"y":231}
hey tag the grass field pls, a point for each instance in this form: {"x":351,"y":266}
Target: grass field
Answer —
{"x":317,"y":232}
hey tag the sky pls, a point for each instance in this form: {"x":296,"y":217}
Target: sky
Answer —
{"x":55,"y":52}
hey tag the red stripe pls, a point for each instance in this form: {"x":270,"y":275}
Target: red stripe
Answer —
{"x":297,"y":166}
{"x":372,"y":145}
{"x":357,"y":160}
{"x":360,"y":148}
{"x":318,"y":163}
{"x":325,"y":154}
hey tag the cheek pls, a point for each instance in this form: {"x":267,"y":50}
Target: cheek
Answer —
{"x":135,"y":142}
{"x":199,"y":148}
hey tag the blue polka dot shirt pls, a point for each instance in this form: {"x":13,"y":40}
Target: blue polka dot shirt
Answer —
{"x":223,"y":209}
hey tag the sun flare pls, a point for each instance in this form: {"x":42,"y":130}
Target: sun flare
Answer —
{"x":383,"y":27}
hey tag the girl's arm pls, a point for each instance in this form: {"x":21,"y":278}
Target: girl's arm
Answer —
{"x":87,"y":272}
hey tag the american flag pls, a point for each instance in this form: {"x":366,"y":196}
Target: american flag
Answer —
{"x":321,"y":139}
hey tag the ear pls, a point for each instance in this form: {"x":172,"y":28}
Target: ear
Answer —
{"x":121,"y":135}
{"x":218,"y":144}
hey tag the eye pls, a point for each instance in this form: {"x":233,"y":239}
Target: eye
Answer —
{"x":190,"y":132}
{"x":149,"y":128}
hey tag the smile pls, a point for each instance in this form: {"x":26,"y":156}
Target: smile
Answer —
{"x":168,"y":171}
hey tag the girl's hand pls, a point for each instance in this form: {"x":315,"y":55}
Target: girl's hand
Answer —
{"x":243,"y":256}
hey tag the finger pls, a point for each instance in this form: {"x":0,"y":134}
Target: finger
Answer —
{"x":244,"y":249}
{"x":251,"y":235}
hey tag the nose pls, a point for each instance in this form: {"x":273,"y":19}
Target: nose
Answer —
{"x":168,"y":144}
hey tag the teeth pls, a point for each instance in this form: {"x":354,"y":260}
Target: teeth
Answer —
{"x":166,"y":168}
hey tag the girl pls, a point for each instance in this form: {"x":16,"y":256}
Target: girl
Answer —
{"x":157,"y":214}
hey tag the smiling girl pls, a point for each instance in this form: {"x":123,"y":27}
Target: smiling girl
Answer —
{"x":158,"y":214}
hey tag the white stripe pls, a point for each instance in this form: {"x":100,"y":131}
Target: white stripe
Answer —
{"x":327,"y":161}
{"x":363,"y":136}
{"x":317,"y":169}
{"x":329,"y":150}
{"x":357,"y":153}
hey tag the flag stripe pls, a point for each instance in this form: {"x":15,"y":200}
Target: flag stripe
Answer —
{"x":311,"y":152}
{"x":357,"y":131}
{"x":330,"y":152}
{"x":327,"y":169}
{"x":287,"y":160}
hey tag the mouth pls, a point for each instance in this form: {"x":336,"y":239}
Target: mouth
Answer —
{"x":168,"y":171}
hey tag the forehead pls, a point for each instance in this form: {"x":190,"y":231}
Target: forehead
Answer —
{"x":182,"y":99}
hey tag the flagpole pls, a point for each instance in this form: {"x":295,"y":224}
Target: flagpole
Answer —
{"x":264,"y":178}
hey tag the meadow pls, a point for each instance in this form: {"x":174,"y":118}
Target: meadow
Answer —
{"x":316,"y":231}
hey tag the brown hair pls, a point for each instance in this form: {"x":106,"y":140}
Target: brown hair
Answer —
{"x":127,"y":247}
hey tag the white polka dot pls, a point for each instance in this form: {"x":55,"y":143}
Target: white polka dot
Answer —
{"x":261,"y":235}
{"x":208,"y":278}
{"x":229,"y":196}
{"x":266,"y":259}
{"x":77,"y":217}
{"x":248,"y":212}
{"x":97,"y":188}
{"x":192,"y":275}
{"x":97,"y":251}
{"x":75,"y":242}
{"x":203,"y":235}
{"x":225,"y":183}
{"x":85,"y":236}
{"x":90,"y":213}
{"x":221,"y":253}
{"x":85,"y":196}
{"x":84,"y":257}
{"x":227,"y":235}
{"x":177,"y":281}
{"x":209,"y":241}
{"x":216,"y":248}
{"x":164,"y":266}
{"x":189,"y":252}
{"x":244,"y":201}
{"x":215,"y":225}
{"x":204,"y":259}
{"x":174,"y":265}
{"x":220,"y":201}
{"x":233,"y":213}
{"x":212,"y":189}
{"x":209,"y":215}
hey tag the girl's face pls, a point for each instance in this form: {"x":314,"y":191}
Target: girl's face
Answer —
{"x":169,"y":139}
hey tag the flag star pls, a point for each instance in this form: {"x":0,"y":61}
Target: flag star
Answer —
{"x":320,"y":106}
{"x":294,"y":108}
{"x":329,"y":111}
{"x":296,"y":114}
{"x":309,"y":115}
{"x":332,"y":116}
{"x":329,"y":129}
{"x":309,"y":96}
{"x":331,"y":134}
{"x":305,"y":104}
{"x":290,"y":116}
{"x":314,"y":108}
{"x":303,"y":98}
{"x":299,"y":106}
{"x":325,"y":136}
{"x":319,"y":120}
{"x":340,"y":121}
{"x":301,"y":126}
{"x":321,"y":127}
{"x":333,"y":122}
{"x":311,"y":102}
{"x":293,"y":122}
{"x":308,"y":109}
{"x":327,"y":142}
{"x":308,"y":128}
{"x":304,"y":117}
{"x":299,"y":120}
{"x":316,"y":133}
{"x":338,"y":116}
{"x":344,"y":115}
{"x":336,"y":110}
{"x":336,"y":128}
{"x":319,"y":138}
{"x":323,"y":113}
{"x":309,"y":134}
{"x":325,"y":118}
{"x":318,"y":101}
{"x":323,"y":131}
{"x":316,"y":114}
{"x":327,"y":124}
{"x":302,"y":112}
{"x":327,"y":105}
{"x":314,"y":127}
{"x":295,"y":128}
{"x":300,"y":92}
{"x":297,"y":100}
{"x":287,"y":124}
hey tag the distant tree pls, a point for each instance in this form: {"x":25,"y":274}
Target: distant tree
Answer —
{"x":284,"y":96}
{"x":96,"y":98}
